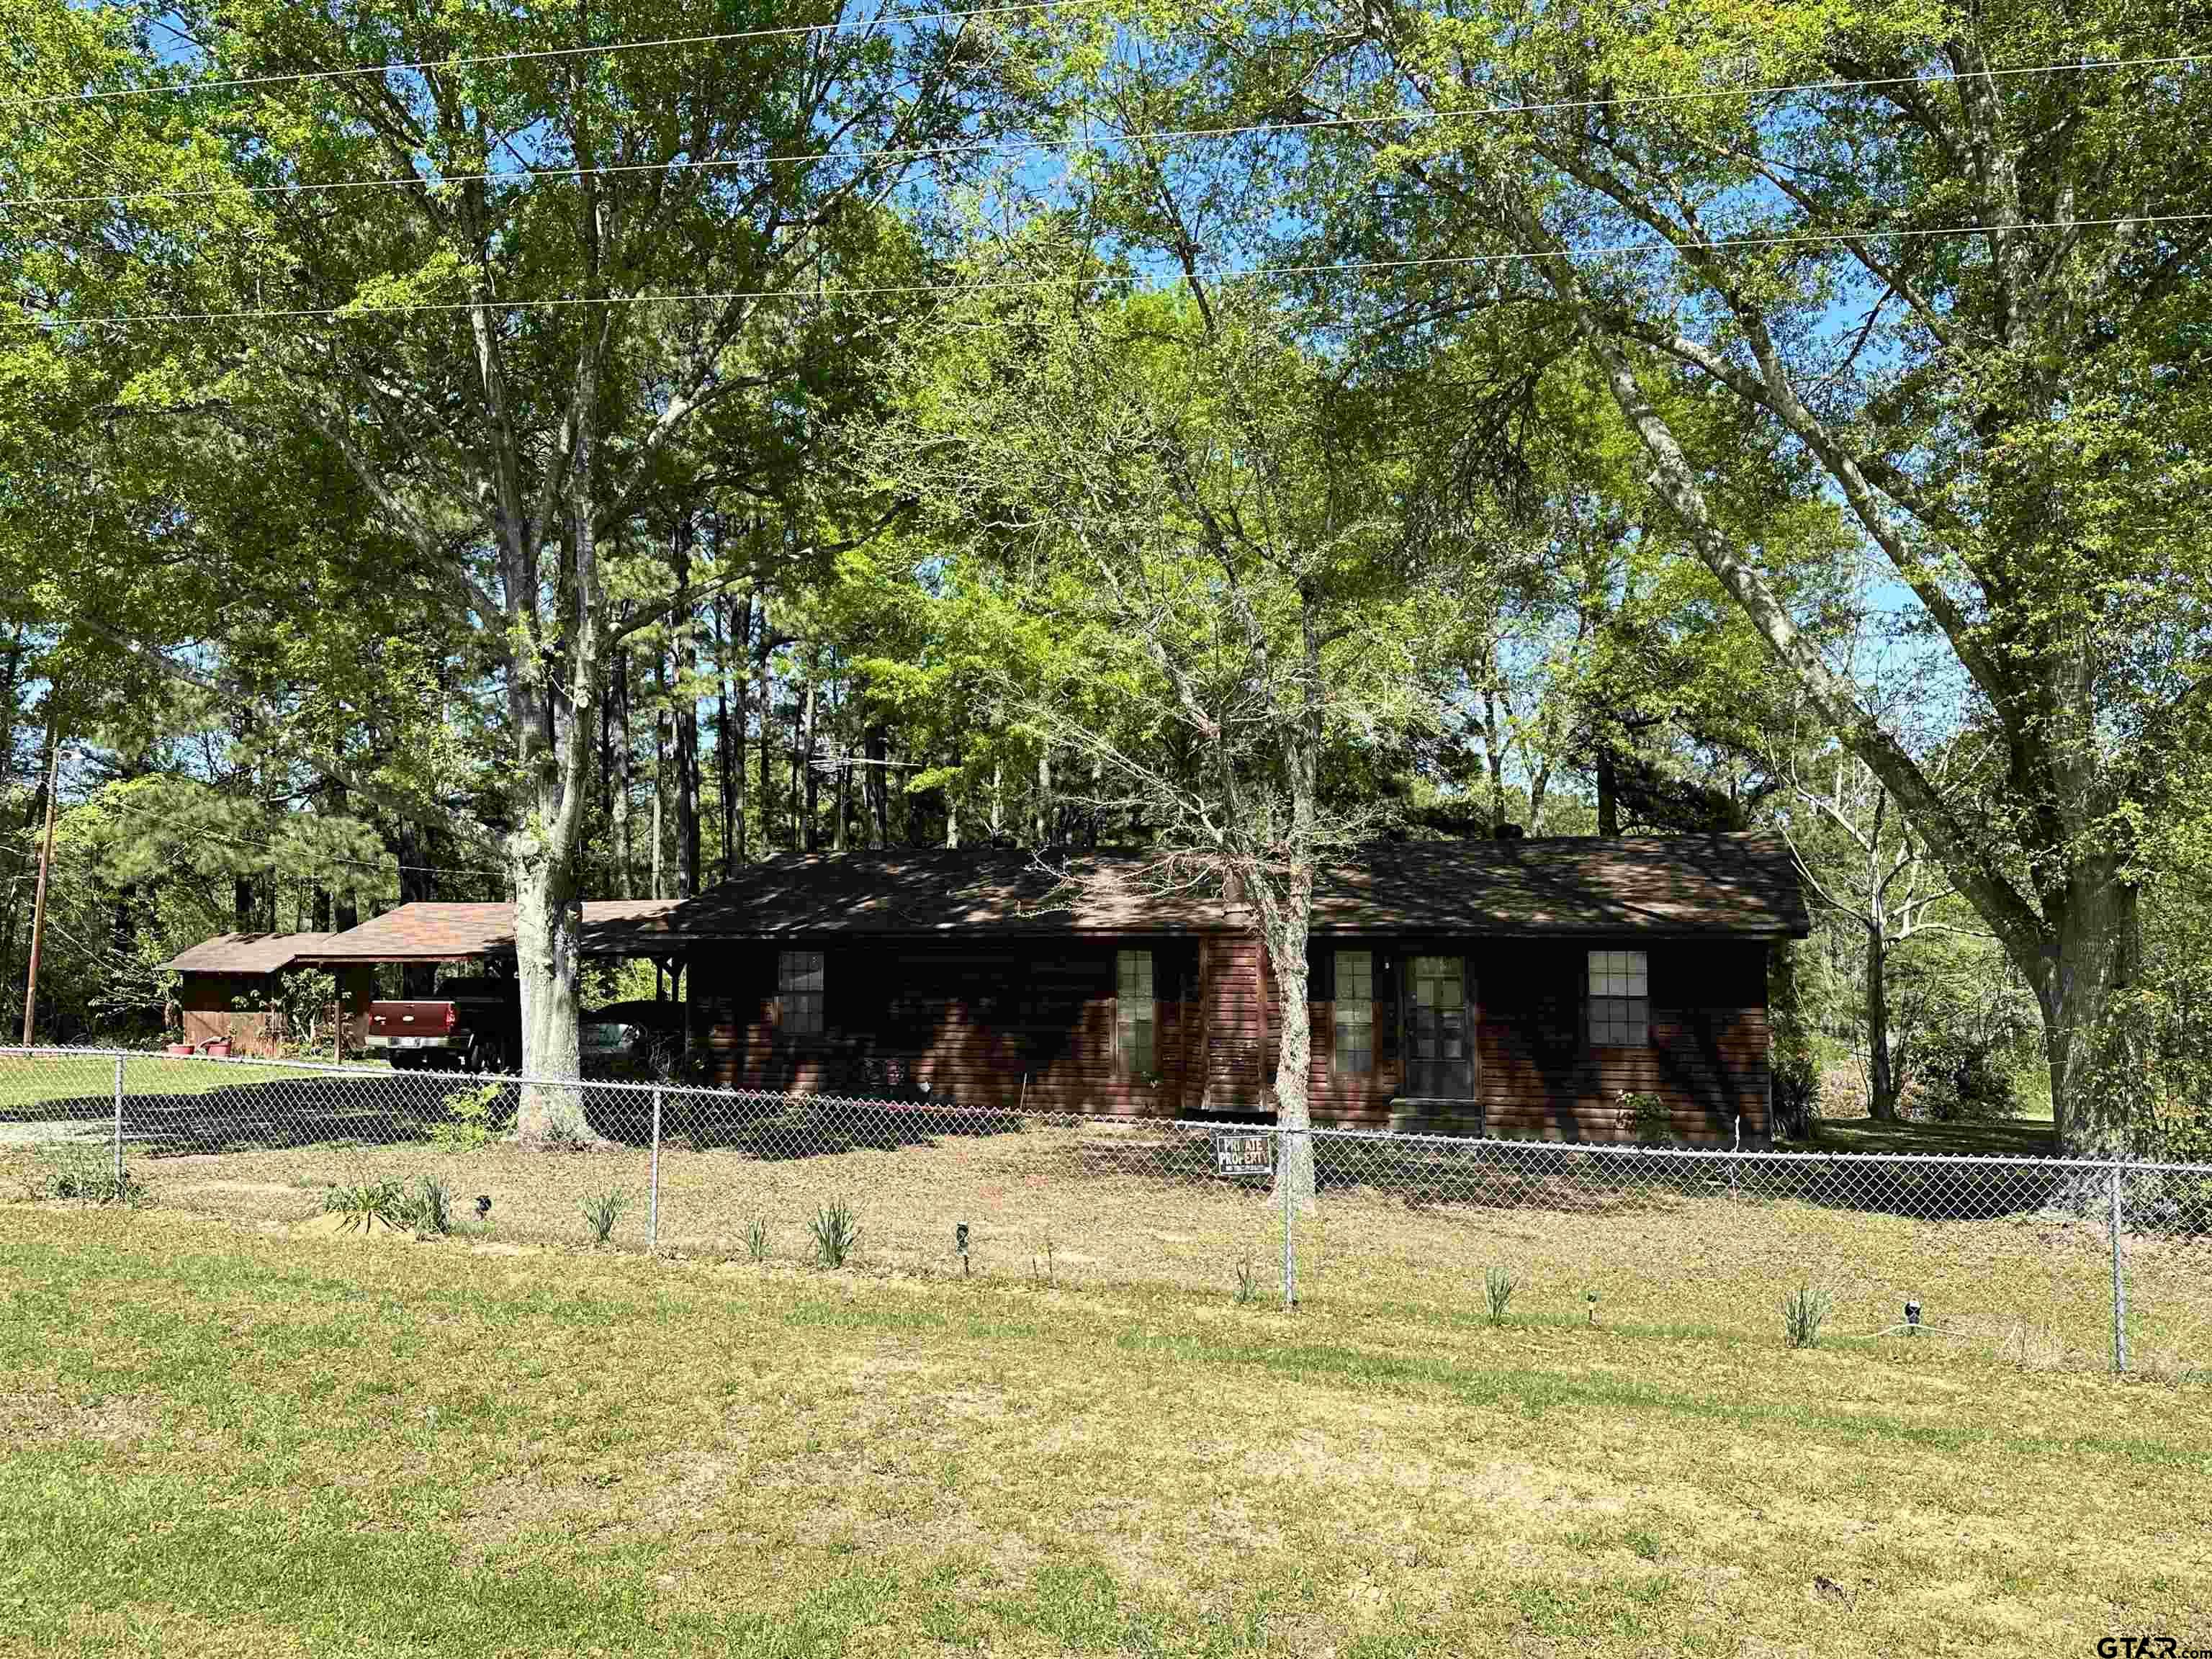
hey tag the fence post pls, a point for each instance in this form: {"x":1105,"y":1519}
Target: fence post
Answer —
{"x":652,"y":1203}
{"x":118,"y":1117}
{"x":1290,"y":1250}
{"x":2120,"y":1283}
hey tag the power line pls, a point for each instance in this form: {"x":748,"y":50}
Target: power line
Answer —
{"x":826,"y":295}
{"x":1032,"y":146}
{"x":876,"y":20}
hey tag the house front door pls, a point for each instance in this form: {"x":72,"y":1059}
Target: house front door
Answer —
{"x":1439,"y":1055}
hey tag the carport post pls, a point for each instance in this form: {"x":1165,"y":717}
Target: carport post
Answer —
{"x":118,"y":1117}
{"x":652,"y":1203}
{"x":2119,"y":1284}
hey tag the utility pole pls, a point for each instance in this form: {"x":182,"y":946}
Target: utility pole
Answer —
{"x":39,"y":902}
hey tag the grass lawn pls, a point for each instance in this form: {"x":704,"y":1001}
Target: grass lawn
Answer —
{"x":76,"y":1085}
{"x":2019,"y":1137}
{"x":227,"y":1437}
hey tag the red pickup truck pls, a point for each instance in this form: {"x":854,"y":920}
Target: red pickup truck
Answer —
{"x":472,"y":1026}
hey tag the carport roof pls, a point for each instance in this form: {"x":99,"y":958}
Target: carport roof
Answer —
{"x":433,"y":931}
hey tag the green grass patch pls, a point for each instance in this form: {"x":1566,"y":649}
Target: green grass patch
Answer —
{"x":222,"y":1440}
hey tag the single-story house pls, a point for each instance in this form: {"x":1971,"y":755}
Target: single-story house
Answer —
{"x":1506,"y":986}
{"x":228,"y":986}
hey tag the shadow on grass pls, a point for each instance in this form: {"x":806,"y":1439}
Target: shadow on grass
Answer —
{"x":403,"y":1109}
{"x":2004,"y":1138}
{"x":398,"y":1108}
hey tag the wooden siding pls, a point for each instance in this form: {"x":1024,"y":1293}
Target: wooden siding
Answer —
{"x":997,"y":1024}
{"x":209,"y":1016}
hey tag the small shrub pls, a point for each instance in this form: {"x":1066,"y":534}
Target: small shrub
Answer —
{"x":836,"y":1233}
{"x":601,"y":1213}
{"x":1646,"y":1116}
{"x":429,"y":1208}
{"x":1248,"y":1281}
{"x":364,"y":1205}
{"x":1497,"y":1287}
{"x":1804,"y":1310}
{"x":757,"y":1238}
{"x":472,"y":1119}
{"x":1963,"y":1081}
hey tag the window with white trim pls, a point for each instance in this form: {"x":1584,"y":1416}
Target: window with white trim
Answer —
{"x":1619,"y":998}
{"x":799,"y":980}
{"x":1135,"y":1012}
{"x":1353,"y":1054}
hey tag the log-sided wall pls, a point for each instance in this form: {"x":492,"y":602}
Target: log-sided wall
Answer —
{"x":1033,"y":1021}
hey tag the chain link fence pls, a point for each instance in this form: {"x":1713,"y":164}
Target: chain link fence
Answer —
{"x":2042,"y":1262}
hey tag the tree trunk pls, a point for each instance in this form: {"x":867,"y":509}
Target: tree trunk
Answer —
{"x":548,"y":926}
{"x":1493,"y":742}
{"x":551,"y":719}
{"x":1882,"y":1080}
{"x":1286,"y":935}
{"x":733,"y":676}
{"x":1286,"y":914}
{"x":683,"y":715}
{"x":659,"y":772}
{"x":1609,"y":799}
{"x":11,"y":667}
{"x":1044,"y":798}
{"x":766,"y":701}
{"x":721,"y":643}
{"x":879,"y":784}
{"x":625,"y":779}
{"x":813,"y":788}
{"x":843,"y":833}
{"x":2095,"y":951}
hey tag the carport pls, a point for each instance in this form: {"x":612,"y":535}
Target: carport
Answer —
{"x":428,"y":935}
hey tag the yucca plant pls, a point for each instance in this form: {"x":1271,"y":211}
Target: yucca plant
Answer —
{"x":757,"y":1238}
{"x":1804,"y":1310}
{"x":1248,"y":1281}
{"x":836,"y":1233}
{"x":429,"y":1208}
{"x":1497,"y":1287}
{"x":362,"y":1206}
{"x":603,"y":1210}
{"x":87,"y":1176}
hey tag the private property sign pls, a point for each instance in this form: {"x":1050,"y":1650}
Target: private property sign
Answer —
{"x":1244,"y":1152}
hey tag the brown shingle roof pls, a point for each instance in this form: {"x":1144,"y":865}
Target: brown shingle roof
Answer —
{"x":245,"y":953}
{"x":1744,"y":886}
{"x":428,"y":932}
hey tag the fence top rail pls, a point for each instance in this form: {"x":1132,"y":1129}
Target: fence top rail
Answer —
{"x":1523,"y":1150}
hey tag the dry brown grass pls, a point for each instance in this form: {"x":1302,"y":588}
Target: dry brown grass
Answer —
{"x":1091,"y":1208}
